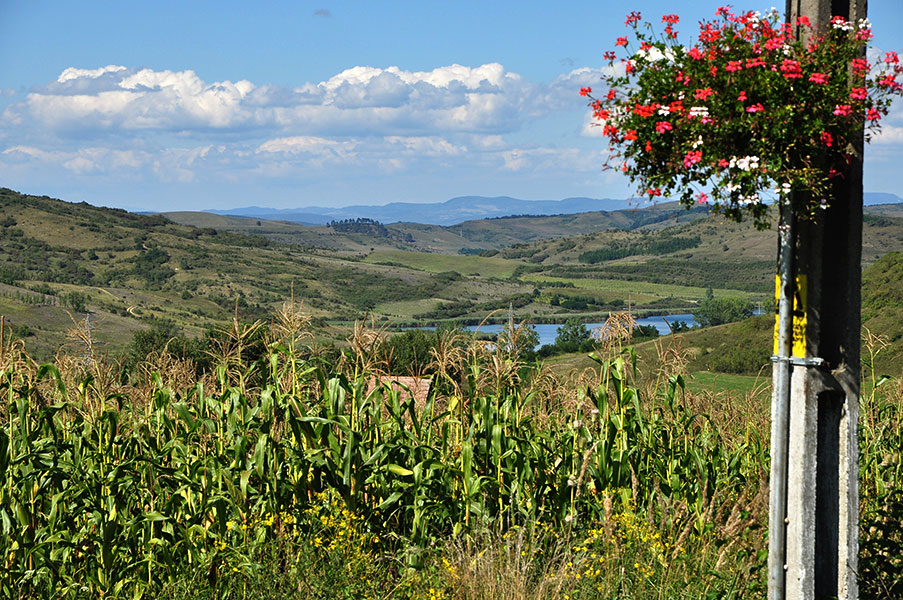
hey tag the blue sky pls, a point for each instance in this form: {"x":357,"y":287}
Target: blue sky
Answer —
{"x":191,"y":105}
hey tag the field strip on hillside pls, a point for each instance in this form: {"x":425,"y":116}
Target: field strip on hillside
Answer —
{"x":439,"y":263}
{"x":408,"y":308}
{"x":662,"y":290}
{"x":759,"y":386}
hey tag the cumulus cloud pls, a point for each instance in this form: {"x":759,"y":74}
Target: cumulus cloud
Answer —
{"x":391,"y":152}
{"x":73,"y":74}
{"x":891,"y":127}
{"x":591,"y":126}
{"x":550,"y":159}
{"x":174,"y":126}
{"x":425,"y":146}
{"x":564,"y":89}
{"x":378,"y":101}
{"x":889,"y":134}
{"x":314,"y":151}
{"x":116,"y":98}
{"x":81,"y":161}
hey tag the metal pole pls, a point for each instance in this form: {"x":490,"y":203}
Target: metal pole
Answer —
{"x":777,"y":506}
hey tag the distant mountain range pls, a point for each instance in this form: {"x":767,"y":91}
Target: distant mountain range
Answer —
{"x":458,"y":210}
{"x":873,"y":198}
{"x":451,"y":212}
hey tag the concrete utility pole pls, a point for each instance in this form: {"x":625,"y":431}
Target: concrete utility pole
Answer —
{"x":814,"y":508}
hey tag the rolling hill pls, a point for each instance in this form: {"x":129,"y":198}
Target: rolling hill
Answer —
{"x":129,"y":271}
{"x":122,"y":272}
{"x":62,"y":262}
{"x":468,"y":237}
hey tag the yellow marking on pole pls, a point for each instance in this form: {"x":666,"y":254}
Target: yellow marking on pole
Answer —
{"x":798,"y":347}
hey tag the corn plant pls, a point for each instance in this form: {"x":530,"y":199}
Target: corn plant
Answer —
{"x":121,"y":492}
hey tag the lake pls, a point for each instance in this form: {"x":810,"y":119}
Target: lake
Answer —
{"x":549,"y":331}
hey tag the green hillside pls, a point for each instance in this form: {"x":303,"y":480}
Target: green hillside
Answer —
{"x":130,"y":271}
{"x":663,"y":245}
{"x":709,"y":252}
{"x":285,"y":232}
{"x":882,"y":309}
{"x":742,"y":349}
{"x":506,"y":231}
{"x":62,"y":262}
{"x":467,"y":237}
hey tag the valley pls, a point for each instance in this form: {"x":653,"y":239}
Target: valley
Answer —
{"x":194,"y":272}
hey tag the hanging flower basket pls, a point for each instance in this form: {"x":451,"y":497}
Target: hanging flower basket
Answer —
{"x":755,"y":109}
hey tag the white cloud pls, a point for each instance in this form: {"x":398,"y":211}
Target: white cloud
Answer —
{"x":146,"y":99}
{"x":396,"y":153}
{"x":183,"y":165}
{"x":73,"y":73}
{"x":426,"y":146}
{"x":488,"y":142}
{"x":564,"y":90}
{"x":154,"y":126}
{"x":80,"y":165}
{"x":891,"y":127}
{"x":889,"y":134}
{"x":25,"y":151}
{"x":81,"y":161}
{"x":551,"y":159}
{"x":591,"y":126}
{"x":578,"y":78}
{"x":310,"y":145}
{"x":492,"y":74}
{"x":362,"y":99}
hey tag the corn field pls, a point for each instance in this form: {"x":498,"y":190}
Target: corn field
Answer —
{"x":119,"y":484}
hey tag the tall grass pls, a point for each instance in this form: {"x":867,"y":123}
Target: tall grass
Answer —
{"x":881,"y":478}
{"x":160,"y":482}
